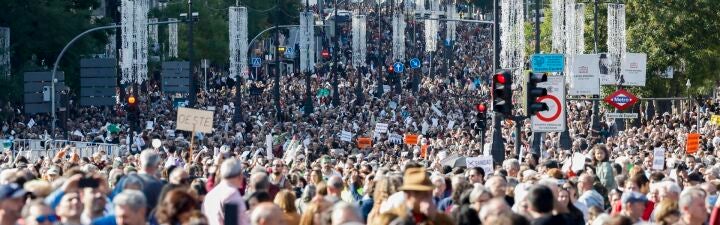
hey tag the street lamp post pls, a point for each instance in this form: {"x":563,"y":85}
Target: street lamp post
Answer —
{"x":276,"y":87}
{"x":193,"y":86}
{"x":380,"y":58}
{"x":336,"y":51}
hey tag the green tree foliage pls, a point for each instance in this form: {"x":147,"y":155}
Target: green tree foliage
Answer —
{"x":210,"y":33}
{"x":39,"y":30}
{"x":682,"y":34}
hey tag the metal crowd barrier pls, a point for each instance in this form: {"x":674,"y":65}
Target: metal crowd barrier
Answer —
{"x":34,"y":148}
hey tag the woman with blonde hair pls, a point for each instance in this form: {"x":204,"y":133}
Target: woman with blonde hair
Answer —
{"x":286,"y":201}
{"x":316,"y":213}
{"x":384,"y":187}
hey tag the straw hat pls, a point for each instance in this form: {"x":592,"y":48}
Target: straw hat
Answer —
{"x":416,"y":179}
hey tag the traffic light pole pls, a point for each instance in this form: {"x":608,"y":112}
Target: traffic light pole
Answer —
{"x":497,"y":149}
{"x":535,"y":144}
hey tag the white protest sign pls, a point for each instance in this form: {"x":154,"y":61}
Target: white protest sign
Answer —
{"x":194,"y":120}
{"x":484,"y":161}
{"x":451,"y":124}
{"x":381,"y":128}
{"x":578,"y":162}
{"x":149,"y":125}
{"x":425,"y":127}
{"x":395,"y":138}
{"x":434,"y":122}
{"x":436,"y":110}
{"x":268,"y":146}
{"x":346,"y":136}
{"x":634,"y":69}
{"x":386,"y":88}
{"x":585,"y":75}
{"x":245,"y":154}
{"x":658,"y":159}
{"x":552,"y":120}
{"x":393,"y":105}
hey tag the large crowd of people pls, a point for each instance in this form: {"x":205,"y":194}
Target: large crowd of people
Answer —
{"x":291,"y":168}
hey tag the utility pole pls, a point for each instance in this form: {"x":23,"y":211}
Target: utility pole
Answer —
{"x":193,"y":86}
{"x":380,"y":58}
{"x":335,"y":55}
{"x":536,"y":136}
{"x":595,"y":120}
{"x":308,"y":108}
{"x":276,"y":87}
{"x":498,"y":147}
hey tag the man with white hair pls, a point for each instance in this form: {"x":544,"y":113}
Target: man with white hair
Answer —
{"x":439,"y":187}
{"x":345,"y":213}
{"x":152,"y":186}
{"x":668,"y":190}
{"x":226,"y":192}
{"x":588,"y":195}
{"x":130,"y":208}
{"x":692,"y":207}
{"x":512,"y":166}
{"x":266,"y":214}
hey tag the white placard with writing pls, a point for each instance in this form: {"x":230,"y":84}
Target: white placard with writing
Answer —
{"x":634,"y":69}
{"x":381,"y":128}
{"x":658,"y":159}
{"x":194,"y":120}
{"x":346,"y":136}
{"x":484,"y":161}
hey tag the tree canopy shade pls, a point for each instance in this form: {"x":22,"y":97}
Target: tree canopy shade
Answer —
{"x":211,"y":31}
{"x":39,"y":30}
{"x":682,"y":34}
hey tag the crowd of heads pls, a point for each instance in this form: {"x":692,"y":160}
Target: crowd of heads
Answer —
{"x":293,"y":167}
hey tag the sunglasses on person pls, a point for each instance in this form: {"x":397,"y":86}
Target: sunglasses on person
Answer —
{"x":49,"y":218}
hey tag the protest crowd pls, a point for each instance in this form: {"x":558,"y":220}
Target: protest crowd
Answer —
{"x":297,"y":169}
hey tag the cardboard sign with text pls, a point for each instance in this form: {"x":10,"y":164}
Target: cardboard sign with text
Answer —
{"x":364,"y":142}
{"x":411,"y":139}
{"x":194,"y":120}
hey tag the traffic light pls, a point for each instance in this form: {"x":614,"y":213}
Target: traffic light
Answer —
{"x":534,"y":92}
{"x":502,"y":93}
{"x":481,"y":117}
{"x":132,"y":112}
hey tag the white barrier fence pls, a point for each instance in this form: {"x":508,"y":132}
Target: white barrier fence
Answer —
{"x":34,"y":148}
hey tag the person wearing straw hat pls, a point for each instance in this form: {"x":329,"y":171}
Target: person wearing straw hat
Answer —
{"x":419,"y":206}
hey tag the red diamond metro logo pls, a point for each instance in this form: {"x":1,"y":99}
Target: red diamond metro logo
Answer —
{"x":621,"y":99}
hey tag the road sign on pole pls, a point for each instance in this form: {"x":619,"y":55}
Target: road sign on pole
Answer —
{"x":256,"y":62}
{"x":543,"y":63}
{"x":398,"y":67}
{"x":289,"y":52}
{"x":552,"y":120}
{"x":415,"y":63}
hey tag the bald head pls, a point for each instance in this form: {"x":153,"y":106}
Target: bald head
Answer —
{"x":267,"y":214}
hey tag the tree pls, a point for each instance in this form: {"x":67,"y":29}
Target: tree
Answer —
{"x":682,"y":34}
{"x":40,"y":29}
{"x":211,"y":31}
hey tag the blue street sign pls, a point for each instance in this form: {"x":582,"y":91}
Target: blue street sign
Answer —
{"x":542,"y":63}
{"x":289,"y":52}
{"x":398,"y":67}
{"x":256,"y":62}
{"x":414,"y":63}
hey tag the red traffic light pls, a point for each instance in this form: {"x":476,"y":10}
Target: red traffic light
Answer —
{"x":131,"y":100}
{"x":500,"y":78}
{"x":480,"y":108}
{"x":325,"y":53}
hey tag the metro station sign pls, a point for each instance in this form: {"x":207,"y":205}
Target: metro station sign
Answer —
{"x":621,"y":99}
